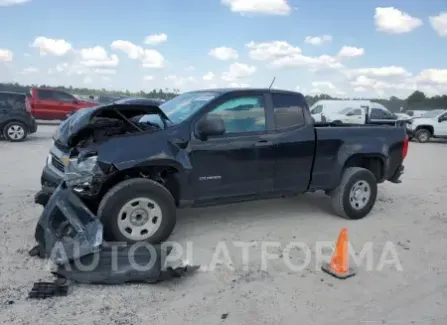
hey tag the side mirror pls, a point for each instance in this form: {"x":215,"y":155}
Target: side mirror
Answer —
{"x":210,"y":126}
{"x":442,"y":119}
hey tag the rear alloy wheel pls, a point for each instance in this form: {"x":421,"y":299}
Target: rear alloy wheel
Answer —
{"x":15,"y":132}
{"x":138,"y":210}
{"x":422,"y":135}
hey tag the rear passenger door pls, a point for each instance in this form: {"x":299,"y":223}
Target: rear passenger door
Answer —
{"x":294,"y":140}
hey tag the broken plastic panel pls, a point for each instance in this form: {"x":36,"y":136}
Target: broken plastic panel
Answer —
{"x":117,"y":265}
{"x":67,"y":229}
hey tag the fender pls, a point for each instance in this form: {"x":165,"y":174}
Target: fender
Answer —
{"x":351,"y":149}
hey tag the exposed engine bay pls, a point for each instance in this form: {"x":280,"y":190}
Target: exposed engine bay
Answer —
{"x":114,"y":122}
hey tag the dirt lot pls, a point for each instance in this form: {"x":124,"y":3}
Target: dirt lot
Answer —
{"x":412,"y":216}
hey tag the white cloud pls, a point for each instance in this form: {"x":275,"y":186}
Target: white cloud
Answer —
{"x":190,"y":68}
{"x":6,"y":55}
{"x":271,"y":7}
{"x":58,"y":47}
{"x":364,"y":82}
{"x":268,"y":51}
{"x":88,"y":81}
{"x":178,"y":81}
{"x":238,"y":85}
{"x":282,"y":54}
{"x":224,"y":53}
{"x":97,"y":57}
{"x":238,"y":71}
{"x":394,"y":21}
{"x":104,"y":71}
{"x":148,"y":58}
{"x":318,"y":40}
{"x":432,"y":76}
{"x":156,"y":39}
{"x":6,"y":3}
{"x":351,"y":52}
{"x":209,"y":76}
{"x":313,"y":63}
{"x":148,"y":78}
{"x":439,"y":24}
{"x":30,"y":70}
{"x":323,"y":84}
{"x":391,"y":71}
{"x":326,"y":87}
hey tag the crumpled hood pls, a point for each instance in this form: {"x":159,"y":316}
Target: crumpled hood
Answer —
{"x":69,"y":129}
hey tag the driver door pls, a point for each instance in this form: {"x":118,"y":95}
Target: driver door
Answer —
{"x":66,"y":103}
{"x":240,"y":162}
{"x":441,"y":126}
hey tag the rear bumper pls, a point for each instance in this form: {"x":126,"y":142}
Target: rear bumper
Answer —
{"x":33,"y":126}
{"x":396,"y":177}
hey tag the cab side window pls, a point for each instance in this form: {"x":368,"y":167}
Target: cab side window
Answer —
{"x":63,"y":97}
{"x":242,"y":115}
{"x":355,"y":112}
{"x":317,"y":109}
{"x":288,"y":110}
{"x":45,"y":94}
{"x":377,"y":113}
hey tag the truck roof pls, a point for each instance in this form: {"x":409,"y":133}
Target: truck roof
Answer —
{"x":230,"y":90}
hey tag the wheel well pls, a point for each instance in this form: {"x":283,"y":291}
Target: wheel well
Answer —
{"x":161,"y":174}
{"x":373,"y":164}
{"x":429,"y":128}
{"x":4,"y":124}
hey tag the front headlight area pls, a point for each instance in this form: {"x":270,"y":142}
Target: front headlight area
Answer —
{"x":82,"y":174}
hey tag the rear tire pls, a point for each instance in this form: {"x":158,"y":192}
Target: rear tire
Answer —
{"x":15,"y":131}
{"x":138,"y":210}
{"x":355,"y":196}
{"x":422,"y":135}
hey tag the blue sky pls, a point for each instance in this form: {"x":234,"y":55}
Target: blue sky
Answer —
{"x":353,"y":48}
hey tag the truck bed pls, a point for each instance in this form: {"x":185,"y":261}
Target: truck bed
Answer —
{"x":381,"y":144}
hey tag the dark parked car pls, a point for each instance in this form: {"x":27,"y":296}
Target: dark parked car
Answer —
{"x":107,"y":99}
{"x":214,"y":146}
{"x":16,"y":121}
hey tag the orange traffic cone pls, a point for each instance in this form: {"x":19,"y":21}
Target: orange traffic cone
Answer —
{"x":339,"y":265}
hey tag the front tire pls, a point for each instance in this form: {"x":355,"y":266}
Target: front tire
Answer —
{"x":137,"y":210}
{"x":15,"y":132}
{"x":422,"y":135}
{"x":355,"y":196}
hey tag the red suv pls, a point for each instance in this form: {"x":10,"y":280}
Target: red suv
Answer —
{"x":52,"y":104}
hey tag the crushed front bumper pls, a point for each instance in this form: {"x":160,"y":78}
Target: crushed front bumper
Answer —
{"x":396,"y":177}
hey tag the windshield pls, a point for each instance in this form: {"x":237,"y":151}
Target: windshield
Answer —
{"x":183,"y":106}
{"x":433,"y":113}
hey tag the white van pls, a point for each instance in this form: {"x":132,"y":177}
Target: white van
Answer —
{"x":352,"y":112}
{"x":332,"y":106}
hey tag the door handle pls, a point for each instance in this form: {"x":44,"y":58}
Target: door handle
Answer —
{"x":262,"y":143}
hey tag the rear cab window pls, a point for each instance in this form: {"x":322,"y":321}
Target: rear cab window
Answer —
{"x":288,"y":110}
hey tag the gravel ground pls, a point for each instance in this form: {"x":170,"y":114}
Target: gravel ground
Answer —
{"x":410,"y":216}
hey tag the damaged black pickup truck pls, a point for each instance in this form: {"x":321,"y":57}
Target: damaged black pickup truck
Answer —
{"x":132,"y":164}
